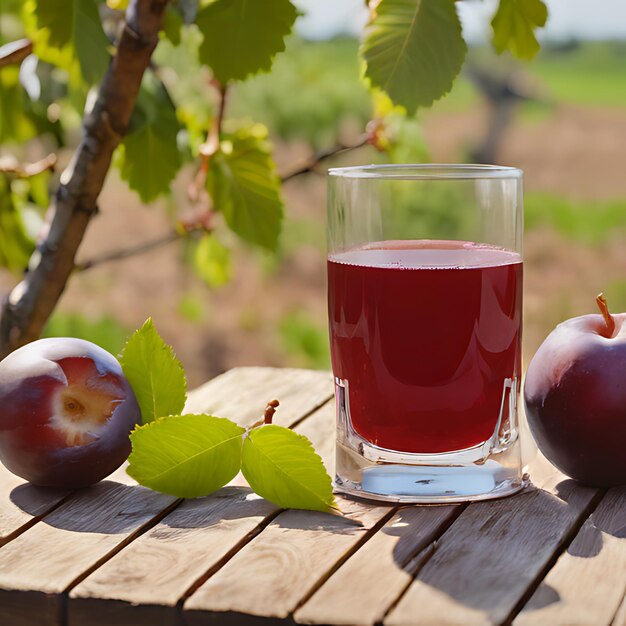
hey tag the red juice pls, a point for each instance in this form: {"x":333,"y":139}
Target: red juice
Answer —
{"x":424,"y":335}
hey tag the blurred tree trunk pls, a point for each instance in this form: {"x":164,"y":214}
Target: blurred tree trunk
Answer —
{"x":27,"y":308}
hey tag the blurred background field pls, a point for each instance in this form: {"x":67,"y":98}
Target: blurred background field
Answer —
{"x":568,"y":133}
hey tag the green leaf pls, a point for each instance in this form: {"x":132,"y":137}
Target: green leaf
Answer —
{"x":187,"y":456}
{"x":514,"y":27}
{"x":15,"y":245}
{"x":172,"y":24}
{"x":282,"y":467}
{"x":149,"y":156}
{"x":413,"y":50}
{"x":212,"y":261}
{"x":68,"y":33}
{"x":154,"y":373}
{"x":15,"y":124}
{"x":241,"y":37}
{"x":243,"y":183}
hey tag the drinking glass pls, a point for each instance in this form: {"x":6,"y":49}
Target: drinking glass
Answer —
{"x":425,"y":315}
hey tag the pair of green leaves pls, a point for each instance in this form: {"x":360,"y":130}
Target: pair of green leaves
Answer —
{"x":193,"y":455}
{"x":414,"y":49}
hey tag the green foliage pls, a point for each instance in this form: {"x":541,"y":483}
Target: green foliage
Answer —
{"x":172,"y":24}
{"x":187,"y":456}
{"x":588,"y":222}
{"x":15,"y":124}
{"x":193,"y":455}
{"x":514,"y":26}
{"x":241,"y":37}
{"x":105,"y":331}
{"x":149,"y":156}
{"x":243,"y":183}
{"x":15,"y":245}
{"x":305,"y":342}
{"x":283,"y":467}
{"x":414,"y":49}
{"x":212,"y":261}
{"x":69,"y":34}
{"x":322,"y":81}
{"x":154,"y":373}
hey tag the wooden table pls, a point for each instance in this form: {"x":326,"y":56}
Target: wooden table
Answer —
{"x":117,"y":553}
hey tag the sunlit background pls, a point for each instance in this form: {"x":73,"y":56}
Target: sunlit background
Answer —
{"x":564,"y":125}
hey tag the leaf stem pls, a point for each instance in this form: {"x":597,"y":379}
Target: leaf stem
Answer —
{"x":609,"y":320}
{"x":211,"y":145}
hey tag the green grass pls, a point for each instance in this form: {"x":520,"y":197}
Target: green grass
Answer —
{"x":583,"y":221}
{"x":590,"y":74}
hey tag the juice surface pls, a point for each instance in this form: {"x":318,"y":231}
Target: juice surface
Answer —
{"x":425,"y":334}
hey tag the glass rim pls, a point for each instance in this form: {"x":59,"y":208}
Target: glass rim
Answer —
{"x":428,"y":171}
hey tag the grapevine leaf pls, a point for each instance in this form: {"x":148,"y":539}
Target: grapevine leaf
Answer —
{"x":69,"y":32}
{"x":154,"y":373}
{"x":514,"y":26}
{"x":241,"y":37}
{"x":186,"y":456}
{"x":413,"y":50}
{"x":282,"y":467}
{"x":243,"y":183}
{"x":15,"y":245}
{"x":212,"y":261}
{"x":150,"y":158}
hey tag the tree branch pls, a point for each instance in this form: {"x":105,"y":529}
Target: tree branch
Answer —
{"x":15,"y":52}
{"x":199,"y":225}
{"x":28,"y":306}
{"x":124,"y":253}
{"x":314,"y":161}
{"x":10,"y":165}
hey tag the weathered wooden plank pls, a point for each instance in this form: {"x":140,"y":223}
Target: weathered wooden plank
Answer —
{"x":490,"y":556}
{"x":37,"y":566}
{"x":587,"y":584}
{"x":280,"y":567}
{"x":22,"y":504}
{"x":242,"y":393}
{"x":362,"y":590}
{"x":151,"y":575}
{"x":620,"y":616}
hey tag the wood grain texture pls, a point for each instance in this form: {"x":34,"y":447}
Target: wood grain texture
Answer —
{"x":22,"y":504}
{"x":389,"y":558}
{"x":486,"y":561}
{"x":39,"y":565}
{"x":588,"y":582}
{"x":275,"y":571}
{"x":155,"y":571}
{"x":620,"y":616}
{"x":242,"y":393}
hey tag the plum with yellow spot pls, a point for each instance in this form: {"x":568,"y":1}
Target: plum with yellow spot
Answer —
{"x":66,"y":412}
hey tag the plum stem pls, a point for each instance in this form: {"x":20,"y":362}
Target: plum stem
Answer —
{"x":270,"y":409}
{"x":609,"y":320}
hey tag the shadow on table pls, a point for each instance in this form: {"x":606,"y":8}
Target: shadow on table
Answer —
{"x":110,"y":507}
{"x":494,"y":552}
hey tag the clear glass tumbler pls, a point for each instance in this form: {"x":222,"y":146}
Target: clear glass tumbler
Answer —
{"x":425,"y":316}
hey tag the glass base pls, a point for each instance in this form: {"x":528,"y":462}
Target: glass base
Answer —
{"x":424,"y":483}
